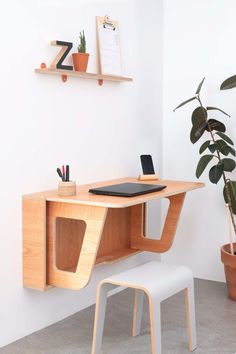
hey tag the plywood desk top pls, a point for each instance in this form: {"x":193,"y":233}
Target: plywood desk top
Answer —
{"x":83,"y":197}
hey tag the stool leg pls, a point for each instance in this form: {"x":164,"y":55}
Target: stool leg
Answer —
{"x":190,"y":311}
{"x":155,"y":322}
{"x":100,"y":312}
{"x":138,"y":310}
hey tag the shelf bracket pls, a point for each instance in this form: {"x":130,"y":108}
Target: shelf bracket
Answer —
{"x":64,"y":78}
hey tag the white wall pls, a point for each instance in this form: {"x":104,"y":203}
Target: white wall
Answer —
{"x":199,"y":41}
{"x":99,"y":131}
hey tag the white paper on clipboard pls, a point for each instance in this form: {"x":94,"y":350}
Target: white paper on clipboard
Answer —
{"x":109,"y":47}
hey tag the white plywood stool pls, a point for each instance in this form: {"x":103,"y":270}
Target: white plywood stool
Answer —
{"x":159,"y":281}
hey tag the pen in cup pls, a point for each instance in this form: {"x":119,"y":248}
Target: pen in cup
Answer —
{"x":63,"y":173}
{"x":59,"y":173}
{"x":67,"y":173}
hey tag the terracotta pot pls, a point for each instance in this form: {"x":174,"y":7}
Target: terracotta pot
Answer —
{"x":80,"y":61}
{"x":229,"y":261}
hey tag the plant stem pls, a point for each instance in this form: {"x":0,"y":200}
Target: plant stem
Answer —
{"x":224,"y":177}
{"x":230,"y":230}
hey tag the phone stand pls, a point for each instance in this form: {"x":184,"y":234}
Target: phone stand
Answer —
{"x":152,"y":177}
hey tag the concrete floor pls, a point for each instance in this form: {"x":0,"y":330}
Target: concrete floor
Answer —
{"x":216,"y":327}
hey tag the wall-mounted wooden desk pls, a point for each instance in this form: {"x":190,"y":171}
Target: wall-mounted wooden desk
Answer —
{"x":65,"y":237}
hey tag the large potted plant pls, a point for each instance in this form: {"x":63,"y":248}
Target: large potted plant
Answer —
{"x":80,"y":59}
{"x":216,"y":149}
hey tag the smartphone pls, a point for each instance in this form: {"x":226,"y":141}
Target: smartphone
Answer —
{"x":147,"y":165}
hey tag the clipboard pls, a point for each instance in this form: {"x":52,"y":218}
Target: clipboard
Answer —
{"x":109,"y":51}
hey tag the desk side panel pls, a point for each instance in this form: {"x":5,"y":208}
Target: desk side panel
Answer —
{"x":94,"y":217}
{"x":34,"y":242}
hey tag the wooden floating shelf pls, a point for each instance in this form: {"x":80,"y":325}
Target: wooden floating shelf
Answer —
{"x":83,"y":75}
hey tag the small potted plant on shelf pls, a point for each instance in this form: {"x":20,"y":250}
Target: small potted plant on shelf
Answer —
{"x":217,"y":145}
{"x":80,"y":59}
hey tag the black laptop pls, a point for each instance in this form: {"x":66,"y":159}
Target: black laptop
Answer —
{"x":127,"y":189}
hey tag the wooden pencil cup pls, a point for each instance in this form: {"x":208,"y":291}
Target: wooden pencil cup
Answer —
{"x":67,"y":189}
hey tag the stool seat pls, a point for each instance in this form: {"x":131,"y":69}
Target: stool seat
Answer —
{"x":155,"y":278}
{"x":159,"y":281}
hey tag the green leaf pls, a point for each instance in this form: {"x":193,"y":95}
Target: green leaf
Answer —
{"x":204,"y":146}
{"x":212,"y":148}
{"x":216,"y":125}
{"x":216,"y":172}
{"x":229,"y":165}
{"x":185,"y":102}
{"x":200,"y":86}
{"x":229,"y":83}
{"x":197,"y":131}
{"x":231,"y":151}
{"x":217,"y":109}
{"x":225,"y":137}
{"x":223,"y":147}
{"x":199,"y":116}
{"x":202,"y":164}
{"x":231,"y":185}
